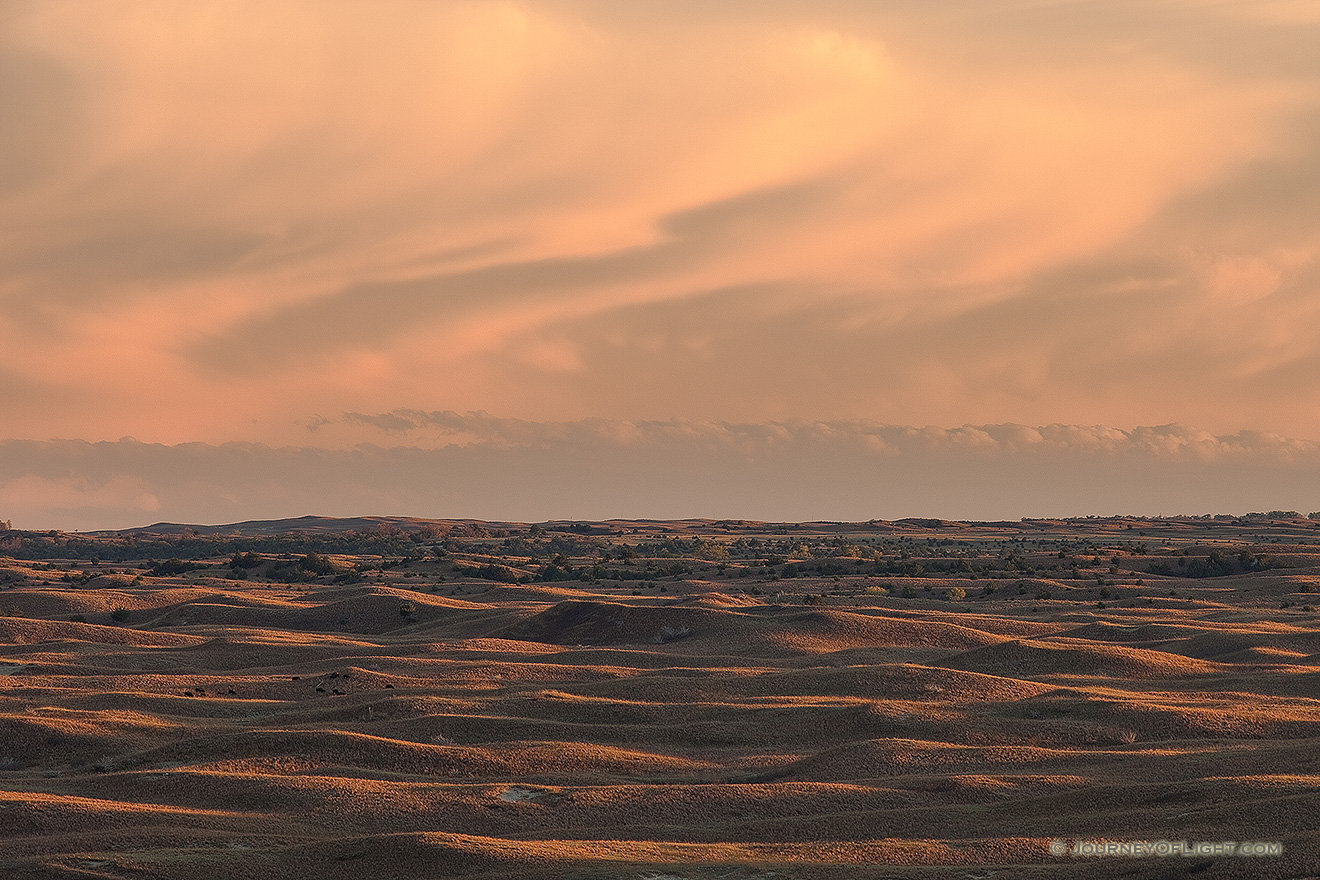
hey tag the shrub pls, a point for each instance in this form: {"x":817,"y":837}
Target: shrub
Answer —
{"x":955,"y":594}
{"x":175,"y":566}
{"x":245,"y":560}
{"x":506,"y":574}
{"x":317,"y":564}
{"x":119,"y":615}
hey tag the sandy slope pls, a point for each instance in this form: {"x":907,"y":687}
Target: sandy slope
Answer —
{"x":247,"y":729}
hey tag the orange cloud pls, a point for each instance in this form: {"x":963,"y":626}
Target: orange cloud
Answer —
{"x":221,"y":219}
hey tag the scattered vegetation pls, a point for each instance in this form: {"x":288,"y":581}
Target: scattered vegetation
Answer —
{"x":1086,"y":560}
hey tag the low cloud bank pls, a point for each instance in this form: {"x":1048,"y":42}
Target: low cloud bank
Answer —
{"x":446,"y":464}
{"x":1171,"y":441}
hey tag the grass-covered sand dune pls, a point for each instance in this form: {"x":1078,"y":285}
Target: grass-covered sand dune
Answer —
{"x":409,"y":698}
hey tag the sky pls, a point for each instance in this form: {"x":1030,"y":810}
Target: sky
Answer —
{"x":837,"y":259}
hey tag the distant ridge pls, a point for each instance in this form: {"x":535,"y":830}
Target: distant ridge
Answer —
{"x":310,"y":523}
{"x":313,"y":524}
{"x":331,"y":524}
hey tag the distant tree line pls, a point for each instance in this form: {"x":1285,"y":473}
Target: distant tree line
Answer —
{"x":1215,"y":564}
{"x":121,"y":548}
